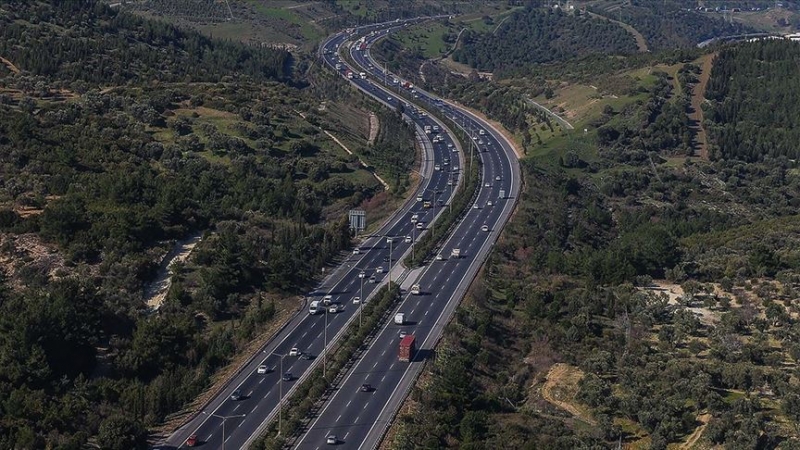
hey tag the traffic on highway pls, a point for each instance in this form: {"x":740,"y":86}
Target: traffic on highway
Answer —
{"x":357,"y":418}
{"x":239,"y":412}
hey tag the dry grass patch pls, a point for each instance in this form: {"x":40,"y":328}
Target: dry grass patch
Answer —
{"x":561,"y":387}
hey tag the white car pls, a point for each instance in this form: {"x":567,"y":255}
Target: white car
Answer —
{"x":356,"y":251}
{"x":487,"y":185}
{"x":408,"y":239}
{"x":333,"y":309}
{"x":489,"y":203}
{"x":497,"y":178}
{"x":475,"y":206}
{"x":379,"y":269}
{"x":439,"y":257}
{"x":403,"y":334}
{"x":294,"y":351}
{"x":262,"y":369}
{"x":356,"y":300}
{"x":331,"y":440}
{"x":485,"y":228}
{"x":420,"y":225}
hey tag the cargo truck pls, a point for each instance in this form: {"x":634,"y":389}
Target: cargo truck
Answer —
{"x":455,"y":253}
{"x":399,"y":318}
{"x":407,"y":348}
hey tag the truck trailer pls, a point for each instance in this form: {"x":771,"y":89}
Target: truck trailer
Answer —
{"x":407,"y":348}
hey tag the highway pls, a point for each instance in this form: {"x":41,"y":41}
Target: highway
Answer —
{"x":359,"y":419}
{"x":234,"y":423}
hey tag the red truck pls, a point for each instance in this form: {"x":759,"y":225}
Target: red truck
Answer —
{"x":407,"y":348}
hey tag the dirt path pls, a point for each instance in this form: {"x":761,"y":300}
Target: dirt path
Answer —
{"x":700,"y":141}
{"x":374,"y":126}
{"x":689,"y":444}
{"x":157,"y":291}
{"x":641,"y":42}
{"x":9,"y":64}
{"x":560,"y":380}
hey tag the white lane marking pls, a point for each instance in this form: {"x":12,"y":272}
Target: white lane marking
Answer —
{"x":376,"y":363}
{"x":384,"y":352}
{"x":260,"y":381}
{"x":209,"y":437}
{"x":348,"y":403}
{"x":237,"y":407}
{"x":427,"y":311}
{"x":254,"y":408}
{"x":340,"y":416}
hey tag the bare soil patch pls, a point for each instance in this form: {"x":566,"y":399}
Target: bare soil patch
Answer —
{"x":700,"y":141}
{"x":641,"y":42}
{"x":9,"y":64}
{"x":697,"y":433}
{"x":156,"y":292}
{"x":374,"y":126}
{"x":560,"y":389}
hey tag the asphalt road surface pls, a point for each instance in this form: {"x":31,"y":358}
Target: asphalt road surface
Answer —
{"x":234,"y":423}
{"x":359,"y":419}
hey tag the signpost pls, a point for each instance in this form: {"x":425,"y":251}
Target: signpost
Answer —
{"x":358,"y":220}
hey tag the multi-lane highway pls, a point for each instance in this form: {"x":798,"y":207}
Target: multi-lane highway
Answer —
{"x":357,"y":418}
{"x":236,"y":420}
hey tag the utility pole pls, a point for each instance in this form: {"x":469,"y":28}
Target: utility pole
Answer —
{"x":280,"y":394}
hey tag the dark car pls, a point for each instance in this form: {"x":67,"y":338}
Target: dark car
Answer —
{"x":236,"y":395}
{"x":287,"y":376}
{"x":366,"y":387}
{"x":306,"y":356}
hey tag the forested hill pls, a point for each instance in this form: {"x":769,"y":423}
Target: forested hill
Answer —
{"x":754,"y":94}
{"x":536,"y":35}
{"x":87,"y":41}
{"x":670,"y":24}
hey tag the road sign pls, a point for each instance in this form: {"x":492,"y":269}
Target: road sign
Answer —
{"x":358,"y":220}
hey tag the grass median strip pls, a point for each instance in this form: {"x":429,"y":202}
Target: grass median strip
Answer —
{"x":311,"y":394}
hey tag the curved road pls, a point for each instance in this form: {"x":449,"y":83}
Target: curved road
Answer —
{"x":358,"y":420}
{"x":234,"y":424}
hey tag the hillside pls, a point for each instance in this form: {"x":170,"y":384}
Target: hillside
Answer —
{"x":636,"y":297}
{"x":120,"y":136}
{"x":535,"y":35}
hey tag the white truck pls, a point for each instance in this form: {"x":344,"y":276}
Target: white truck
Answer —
{"x":427,"y":129}
{"x":455,"y":253}
{"x":415,"y":289}
{"x":400,"y":318}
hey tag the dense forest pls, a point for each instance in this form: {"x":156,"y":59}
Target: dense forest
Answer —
{"x":754,"y":101}
{"x":118,"y":137}
{"x":671,"y":24}
{"x":572,"y":338}
{"x":536,"y":35}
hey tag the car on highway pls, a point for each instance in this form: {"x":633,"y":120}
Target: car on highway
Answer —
{"x":366,"y":387}
{"x":306,"y":356}
{"x":497,"y":178}
{"x":356,"y":251}
{"x":331,"y":440}
{"x":333,"y":309}
{"x":372,"y":279}
{"x":191,"y":441}
{"x":475,"y":206}
{"x":487,"y":185}
{"x":388,"y":99}
{"x":485,"y":228}
{"x":287,"y":376}
{"x":262,"y":369}
{"x":420,"y":225}
{"x":407,"y":239}
{"x":439,"y":257}
{"x":236,"y":395}
{"x":356,"y":300}
{"x":294,"y":351}
{"x":379,"y":269}
{"x":489,"y":203}
{"x":402,"y":334}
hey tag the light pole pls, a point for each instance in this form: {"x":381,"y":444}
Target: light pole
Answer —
{"x":224,"y":418}
{"x":280,"y":394}
{"x":325,"y":348}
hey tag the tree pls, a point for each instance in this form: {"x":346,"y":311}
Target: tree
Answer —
{"x":119,"y":432}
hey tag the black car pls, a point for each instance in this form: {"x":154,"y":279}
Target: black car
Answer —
{"x":287,"y":376}
{"x":366,"y":387}
{"x":306,"y":356}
